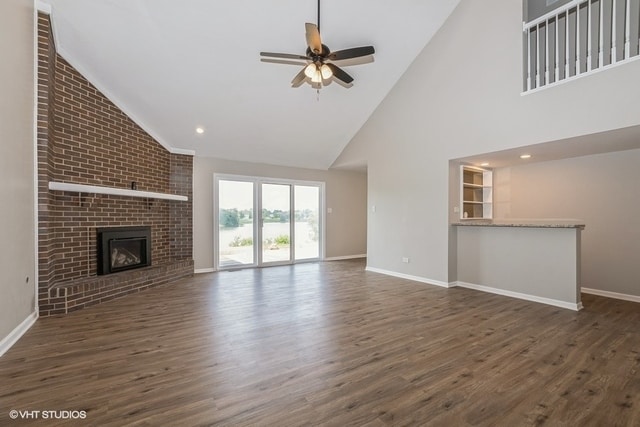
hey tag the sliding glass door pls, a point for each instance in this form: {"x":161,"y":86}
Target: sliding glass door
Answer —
{"x":276,"y":223}
{"x":235,"y":224}
{"x":261,"y":221}
{"x":307,"y":221}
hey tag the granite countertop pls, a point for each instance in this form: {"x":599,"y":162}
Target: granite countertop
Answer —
{"x":533,"y":223}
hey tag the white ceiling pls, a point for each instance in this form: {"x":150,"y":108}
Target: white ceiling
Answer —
{"x":175,"y":65}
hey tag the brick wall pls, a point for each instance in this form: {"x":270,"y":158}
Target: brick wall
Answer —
{"x":46,"y":94}
{"x":181,"y":214}
{"x":84,"y":138}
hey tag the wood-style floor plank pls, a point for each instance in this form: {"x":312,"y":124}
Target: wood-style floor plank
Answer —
{"x":328,"y":344}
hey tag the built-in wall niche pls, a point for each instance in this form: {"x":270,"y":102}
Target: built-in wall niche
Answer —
{"x":476,"y":192}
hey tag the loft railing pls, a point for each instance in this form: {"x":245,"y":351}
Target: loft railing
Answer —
{"x":578,"y":38}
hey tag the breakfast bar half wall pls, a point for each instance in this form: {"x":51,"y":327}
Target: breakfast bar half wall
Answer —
{"x":535,"y":260}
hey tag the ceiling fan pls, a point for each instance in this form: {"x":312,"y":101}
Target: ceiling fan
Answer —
{"x":319,"y":61}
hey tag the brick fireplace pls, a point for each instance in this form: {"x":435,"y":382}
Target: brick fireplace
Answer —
{"x":83,"y":138}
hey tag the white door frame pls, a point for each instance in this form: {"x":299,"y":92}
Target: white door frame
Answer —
{"x":257,"y":216}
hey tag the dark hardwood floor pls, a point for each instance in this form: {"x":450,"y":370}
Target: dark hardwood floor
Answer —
{"x":328,"y":344}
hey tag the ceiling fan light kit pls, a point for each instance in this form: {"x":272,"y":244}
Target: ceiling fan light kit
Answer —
{"x":319,"y":62}
{"x":326,"y":72}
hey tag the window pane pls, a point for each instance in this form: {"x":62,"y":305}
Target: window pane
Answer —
{"x":307,"y":214}
{"x":276,"y":223}
{"x":235,"y":237}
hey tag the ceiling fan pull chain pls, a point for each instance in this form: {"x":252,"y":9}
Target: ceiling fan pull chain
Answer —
{"x":318,"y":95}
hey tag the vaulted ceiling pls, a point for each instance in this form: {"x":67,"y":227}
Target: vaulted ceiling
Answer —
{"x":177,"y":65}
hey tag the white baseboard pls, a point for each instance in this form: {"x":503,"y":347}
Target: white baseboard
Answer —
{"x":554,"y":302}
{"x":608,"y":294}
{"x":409,"y":277}
{"x":8,"y":341}
{"x":340,"y":258}
{"x":204,"y":270}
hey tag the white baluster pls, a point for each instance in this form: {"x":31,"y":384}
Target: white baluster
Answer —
{"x":627,"y":31}
{"x":529,"y":59}
{"x":546,"y":53}
{"x":633,"y":20}
{"x":614,"y":31}
{"x":537,"y":55}
{"x":638,"y":22}
{"x":589,"y":35}
{"x":578,"y":39}
{"x":567,"y":68}
{"x":601,"y":31}
{"x":557,"y":68}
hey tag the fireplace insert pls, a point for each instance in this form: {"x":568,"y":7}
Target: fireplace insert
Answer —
{"x":123,"y":248}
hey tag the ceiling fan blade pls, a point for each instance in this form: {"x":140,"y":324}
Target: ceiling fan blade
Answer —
{"x":299,"y":78}
{"x":354,"y":52}
{"x":355,"y":61}
{"x":339,"y":73}
{"x":313,"y":37}
{"x":282,"y":61}
{"x":283,"y":55}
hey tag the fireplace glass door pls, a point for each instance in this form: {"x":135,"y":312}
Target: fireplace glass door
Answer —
{"x":123,"y":248}
{"x":126,"y":253}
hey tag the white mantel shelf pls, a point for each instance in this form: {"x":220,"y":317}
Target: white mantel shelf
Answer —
{"x":82,"y":188}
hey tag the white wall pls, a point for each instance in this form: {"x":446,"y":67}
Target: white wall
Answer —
{"x":345,"y":194}
{"x":602,"y":190}
{"x":17,"y":251}
{"x":460,"y":97}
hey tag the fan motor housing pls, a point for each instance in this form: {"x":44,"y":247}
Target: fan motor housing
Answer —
{"x":323,"y":54}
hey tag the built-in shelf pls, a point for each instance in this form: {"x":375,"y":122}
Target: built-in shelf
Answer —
{"x":82,"y":188}
{"x":476,"y":192}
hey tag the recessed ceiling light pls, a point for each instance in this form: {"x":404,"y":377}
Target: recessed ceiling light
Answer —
{"x":199,"y":130}
{"x":484,"y":164}
{"x":525,"y":156}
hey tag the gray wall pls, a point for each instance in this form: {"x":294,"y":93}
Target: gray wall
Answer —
{"x":545,"y":261}
{"x":345,"y":194}
{"x":457,"y":100}
{"x":602,"y":190}
{"x":533,"y":9}
{"x":17,"y":252}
